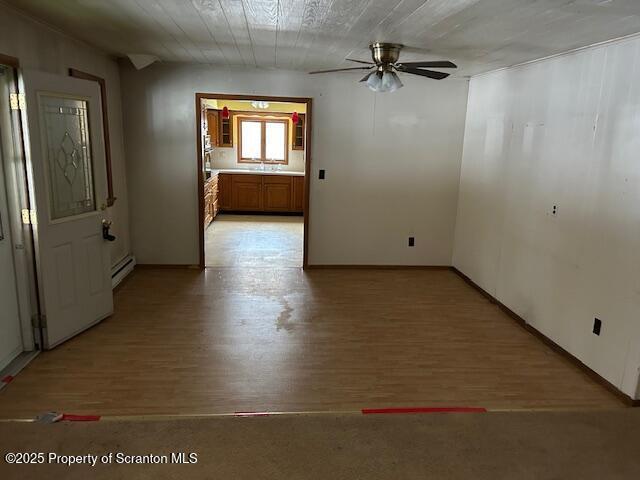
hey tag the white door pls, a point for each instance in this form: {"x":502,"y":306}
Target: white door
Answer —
{"x":10,"y":332}
{"x":66,"y":160}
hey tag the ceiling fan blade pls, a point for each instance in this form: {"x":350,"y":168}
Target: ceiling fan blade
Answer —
{"x":359,"y":61}
{"x":423,"y":73}
{"x":339,"y":70}
{"x":436,"y":64}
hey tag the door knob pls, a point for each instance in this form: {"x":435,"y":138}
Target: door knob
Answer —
{"x":106,"y":225}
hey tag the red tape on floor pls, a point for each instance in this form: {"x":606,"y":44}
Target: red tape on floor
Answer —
{"x":66,"y":417}
{"x":368,"y":411}
{"x":8,"y":379}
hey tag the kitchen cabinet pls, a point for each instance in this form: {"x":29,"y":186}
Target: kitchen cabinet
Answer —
{"x":212,"y":126}
{"x":225,"y":135}
{"x":211,"y":205}
{"x":246,"y":193}
{"x":277,"y":193}
{"x":224,"y":191}
{"x":261,"y":193}
{"x":297,"y":139}
{"x":297,"y":194}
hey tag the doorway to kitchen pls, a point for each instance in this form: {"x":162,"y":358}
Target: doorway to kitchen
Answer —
{"x":253,"y":184}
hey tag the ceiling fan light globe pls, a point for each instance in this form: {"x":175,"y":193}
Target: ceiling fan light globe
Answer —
{"x":397,"y":84}
{"x":390,"y":82}
{"x":374,"y":81}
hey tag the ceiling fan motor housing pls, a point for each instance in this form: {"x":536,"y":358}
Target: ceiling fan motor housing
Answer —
{"x":385,"y":53}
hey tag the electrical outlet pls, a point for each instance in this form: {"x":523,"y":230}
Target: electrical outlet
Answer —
{"x":412,"y":241}
{"x":554,"y":210}
{"x":321,"y":174}
{"x":597,"y":326}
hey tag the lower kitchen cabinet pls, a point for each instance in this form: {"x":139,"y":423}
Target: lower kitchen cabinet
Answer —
{"x":211,"y":205}
{"x":224,"y":191}
{"x":261,"y":193}
{"x":297,"y":194}
{"x":277,"y":193}
{"x":246,"y":193}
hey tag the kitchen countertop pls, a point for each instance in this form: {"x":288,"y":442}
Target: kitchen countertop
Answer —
{"x":215,"y":171}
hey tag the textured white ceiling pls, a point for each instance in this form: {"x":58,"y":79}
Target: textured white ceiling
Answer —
{"x":479,"y":35}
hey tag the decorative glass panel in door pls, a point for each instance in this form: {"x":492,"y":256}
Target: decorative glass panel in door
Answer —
{"x":65,"y":125}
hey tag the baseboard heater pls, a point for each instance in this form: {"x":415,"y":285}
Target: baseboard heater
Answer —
{"x":121,"y":269}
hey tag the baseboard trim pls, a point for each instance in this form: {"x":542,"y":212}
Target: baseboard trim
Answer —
{"x":166,"y":265}
{"x":378,"y":267}
{"x":541,"y":336}
{"x":262,"y":212}
{"x":16,"y":366}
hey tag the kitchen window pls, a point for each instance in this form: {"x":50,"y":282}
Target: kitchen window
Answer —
{"x":263,"y":140}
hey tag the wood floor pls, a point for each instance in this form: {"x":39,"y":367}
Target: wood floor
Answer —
{"x":227,"y":339}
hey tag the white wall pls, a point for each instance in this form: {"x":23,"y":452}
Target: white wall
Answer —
{"x":566,"y":132}
{"x":39,"y":47}
{"x":392,"y":162}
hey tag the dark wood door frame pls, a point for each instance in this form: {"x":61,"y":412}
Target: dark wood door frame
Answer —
{"x":105,"y":127}
{"x":307,"y":167}
{"x":9,"y":61}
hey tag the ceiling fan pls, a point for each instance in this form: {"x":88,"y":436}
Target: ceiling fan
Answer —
{"x":385,"y":64}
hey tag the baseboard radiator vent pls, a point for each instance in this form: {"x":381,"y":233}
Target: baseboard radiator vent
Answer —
{"x":121,"y":269}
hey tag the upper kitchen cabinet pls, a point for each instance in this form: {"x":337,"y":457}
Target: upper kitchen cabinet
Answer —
{"x":297,"y":139}
{"x":212,"y":126}
{"x":225,"y":138}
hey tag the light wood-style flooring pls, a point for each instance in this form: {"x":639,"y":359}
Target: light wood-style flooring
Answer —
{"x":254,"y":241}
{"x":226,"y":340}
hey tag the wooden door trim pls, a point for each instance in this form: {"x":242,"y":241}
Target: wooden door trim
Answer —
{"x":199,"y":96}
{"x":9,"y":61}
{"x":111,"y":199}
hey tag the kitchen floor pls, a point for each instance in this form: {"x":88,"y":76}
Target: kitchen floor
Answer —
{"x":254,"y":241}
